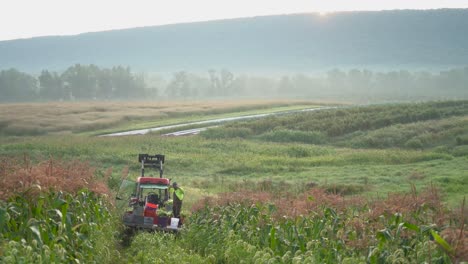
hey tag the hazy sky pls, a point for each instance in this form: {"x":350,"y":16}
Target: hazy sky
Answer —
{"x":29,"y":18}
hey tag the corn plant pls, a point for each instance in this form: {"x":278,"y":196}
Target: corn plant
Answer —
{"x":236,"y":233}
{"x":56,"y":227}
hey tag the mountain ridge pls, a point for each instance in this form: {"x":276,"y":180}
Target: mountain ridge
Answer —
{"x":293,"y":42}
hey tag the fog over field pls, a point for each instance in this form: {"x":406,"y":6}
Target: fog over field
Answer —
{"x":365,"y":56}
{"x":327,"y":137}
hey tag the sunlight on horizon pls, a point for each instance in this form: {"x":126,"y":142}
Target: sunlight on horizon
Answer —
{"x":323,"y":13}
{"x":58,"y":17}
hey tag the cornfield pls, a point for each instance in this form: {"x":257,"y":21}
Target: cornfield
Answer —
{"x":40,"y":224}
{"x":325,"y":228}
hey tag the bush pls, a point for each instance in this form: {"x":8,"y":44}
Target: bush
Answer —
{"x":442,"y":149}
{"x":345,"y":189}
{"x":340,"y":122}
{"x":414,"y":143}
{"x":460,"y":151}
{"x":298,"y":152}
{"x":462,"y":140}
{"x":312,"y":137}
{"x":226,"y":132}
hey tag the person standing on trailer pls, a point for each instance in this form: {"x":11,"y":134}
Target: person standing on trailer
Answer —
{"x":178,"y":196}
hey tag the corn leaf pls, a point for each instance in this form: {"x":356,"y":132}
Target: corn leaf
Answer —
{"x":441,"y":242}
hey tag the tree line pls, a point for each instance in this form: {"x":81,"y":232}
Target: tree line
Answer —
{"x":89,"y":82}
{"x":78,"y":82}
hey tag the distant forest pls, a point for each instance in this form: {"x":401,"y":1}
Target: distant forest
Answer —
{"x":90,"y":82}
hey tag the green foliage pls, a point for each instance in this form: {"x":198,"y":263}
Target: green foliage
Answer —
{"x":284,"y":135}
{"x":89,"y":81}
{"x":160,"y":248}
{"x":197,"y":161}
{"x":76,"y":82}
{"x":57,"y":227}
{"x":164,"y":213}
{"x":17,"y":86}
{"x":223,"y":133}
{"x":462,"y":140}
{"x":237,"y":233}
{"x":179,"y":86}
{"x":442,"y":242}
{"x":209,"y":236}
{"x":64,"y":228}
{"x":460,"y":151}
{"x":413,"y":126}
{"x":298,"y":152}
{"x":52,"y":86}
{"x":85,"y":82}
{"x":414,"y":143}
{"x":419,"y":135}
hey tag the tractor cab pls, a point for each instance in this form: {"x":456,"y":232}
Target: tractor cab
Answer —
{"x":151,"y":190}
{"x":150,"y":206}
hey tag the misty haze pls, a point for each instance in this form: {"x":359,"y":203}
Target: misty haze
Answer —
{"x":362,"y":56}
{"x":314,"y":137}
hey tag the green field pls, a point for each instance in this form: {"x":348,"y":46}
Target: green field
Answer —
{"x":358,"y":156}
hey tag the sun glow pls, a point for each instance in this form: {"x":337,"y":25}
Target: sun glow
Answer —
{"x":58,"y":17}
{"x":323,"y":13}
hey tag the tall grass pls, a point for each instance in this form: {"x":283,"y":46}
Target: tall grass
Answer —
{"x":308,"y":137}
{"x":66,"y":117}
{"x":414,"y":126}
{"x":193,"y":160}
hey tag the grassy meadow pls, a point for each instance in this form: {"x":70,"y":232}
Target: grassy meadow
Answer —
{"x":34,"y":119}
{"x":291,"y":185}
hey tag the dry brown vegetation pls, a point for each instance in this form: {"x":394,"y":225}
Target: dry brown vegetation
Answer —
{"x":66,"y":117}
{"x":292,"y":205}
{"x":52,"y":175}
{"x":367,"y":214}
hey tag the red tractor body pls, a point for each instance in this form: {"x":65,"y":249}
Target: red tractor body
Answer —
{"x":150,"y":204}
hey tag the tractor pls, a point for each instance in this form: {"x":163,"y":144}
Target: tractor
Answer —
{"x":150,"y":204}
